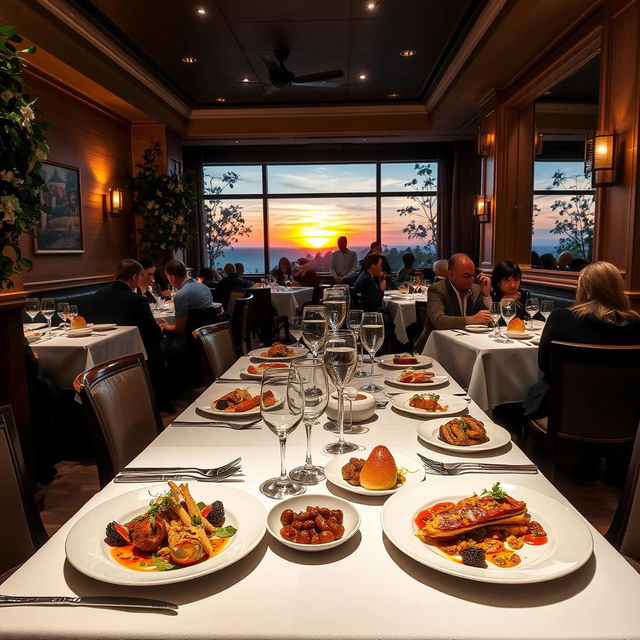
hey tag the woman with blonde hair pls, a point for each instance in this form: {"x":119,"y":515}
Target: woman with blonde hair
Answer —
{"x":602,"y":315}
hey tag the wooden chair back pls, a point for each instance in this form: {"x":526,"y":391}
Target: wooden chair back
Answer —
{"x":217,"y":349}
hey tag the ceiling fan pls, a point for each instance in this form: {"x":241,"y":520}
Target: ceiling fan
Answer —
{"x":281,"y":78}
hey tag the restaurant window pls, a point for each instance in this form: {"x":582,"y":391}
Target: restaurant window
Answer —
{"x":308,"y":206}
{"x":563,"y":215}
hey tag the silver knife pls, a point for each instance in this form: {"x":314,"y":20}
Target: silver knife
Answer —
{"x":161,"y":477}
{"x":88,"y":601}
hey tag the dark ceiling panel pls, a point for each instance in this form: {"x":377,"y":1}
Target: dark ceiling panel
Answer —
{"x":332,"y":34}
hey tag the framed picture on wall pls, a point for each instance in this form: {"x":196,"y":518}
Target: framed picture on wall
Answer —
{"x":60,"y":229}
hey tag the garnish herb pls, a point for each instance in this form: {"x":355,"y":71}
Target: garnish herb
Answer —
{"x":224,"y":532}
{"x":196,"y":521}
{"x":201,"y":505}
{"x":496,"y":492}
{"x":403,"y":471}
{"x":161,"y":564}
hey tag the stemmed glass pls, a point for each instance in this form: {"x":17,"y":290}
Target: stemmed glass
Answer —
{"x":546,"y":308}
{"x":508,"y":311}
{"x":32,"y":308}
{"x":73,"y":312}
{"x":282,"y":418}
{"x":314,"y":334}
{"x":496,"y":314}
{"x":48,"y":308}
{"x":335,"y":301}
{"x":340,"y":360}
{"x":311,"y":372}
{"x":354,"y":320}
{"x":62,"y":310}
{"x":295,"y":329}
{"x":532,"y":307}
{"x":372,"y":337}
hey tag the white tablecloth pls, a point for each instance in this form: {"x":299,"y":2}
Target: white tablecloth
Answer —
{"x":491,"y":372}
{"x":167,"y":313}
{"x":287,"y":302}
{"x":62,"y":358}
{"x":362,"y":589}
{"x":403,"y":313}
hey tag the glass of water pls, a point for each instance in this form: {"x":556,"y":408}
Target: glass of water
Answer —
{"x":508,"y":311}
{"x":282,"y":405}
{"x":335,"y":301}
{"x":32,"y":308}
{"x":354,"y":320}
{"x":372,"y":336}
{"x":315,"y":328}
{"x":546,"y":308}
{"x":62,"y":310}
{"x":295,"y":329}
{"x":496,"y":314}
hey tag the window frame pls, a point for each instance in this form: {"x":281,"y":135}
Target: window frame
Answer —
{"x":378,"y":194}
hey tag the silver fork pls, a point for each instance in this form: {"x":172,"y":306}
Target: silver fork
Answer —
{"x":457,"y":468}
{"x":176,"y":475}
{"x":209,"y":473}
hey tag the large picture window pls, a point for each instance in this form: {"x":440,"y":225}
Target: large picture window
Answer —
{"x":306,"y":207}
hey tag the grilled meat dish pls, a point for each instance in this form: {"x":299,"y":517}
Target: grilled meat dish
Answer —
{"x":464,"y":432}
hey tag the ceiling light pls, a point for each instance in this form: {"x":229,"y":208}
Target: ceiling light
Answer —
{"x":363,"y":76}
{"x":407,"y":53}
{"x":189,"y":59}
{"x":201,"y":11}
{"x":245,"y":79}
{"x":393,"y":95}
{"x":237,"y":141}
{"x":221,"y":99}
{"x":371,"y":5}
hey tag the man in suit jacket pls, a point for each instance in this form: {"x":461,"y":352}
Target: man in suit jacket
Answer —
{"x":457,"y":301}
{"x":370,"y":286}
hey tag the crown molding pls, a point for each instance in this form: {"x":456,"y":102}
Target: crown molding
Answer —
{"x":91,"y":34}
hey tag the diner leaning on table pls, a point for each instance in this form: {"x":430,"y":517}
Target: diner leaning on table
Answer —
{"x":506,"y":279}
{"x":462,"y":298}
{"x":602,"y":315}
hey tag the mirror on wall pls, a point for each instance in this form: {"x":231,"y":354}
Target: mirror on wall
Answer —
{"x":563,"y":198}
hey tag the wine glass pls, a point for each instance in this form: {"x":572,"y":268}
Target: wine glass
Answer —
{"x":295,"y":329}
{"x":73,"y":312}
{"x":282,"y":418}
{"x":62,"y":309}
{"x":532,"y":307}
{"x":340,"y":360}
{"x":311,"y":372}
{"x":508,"y":311}
{"x":372,"y":337}
{"x":32,"y":308}
{"x":354,"y":320}
{"x":48,"y":308}
{"x":546,"y":307}
{"x":496,"y":314}
{"x":335,"y":301}
{"x":314,"y":334}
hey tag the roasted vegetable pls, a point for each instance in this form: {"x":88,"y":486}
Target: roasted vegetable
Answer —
{"x":117,"y":535}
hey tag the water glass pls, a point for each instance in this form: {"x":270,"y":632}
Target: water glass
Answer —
{"x":372,"y":337}
{"x":546,"y":308}
{"x":311,"y":372}
{"x":314,"y":333}
{"x":335,"y":301}
{"x":340,"y":360}
{"x":295,"y":329}
{"x":48,"y":308}
{"x":354,"y":320}
{"x":496,"y":314}
{"x":508,"y":311}
{"x":62,"y":310}
{"x":532,"y":307}
{"x":281,"y":417}
{"x":32,"y":308}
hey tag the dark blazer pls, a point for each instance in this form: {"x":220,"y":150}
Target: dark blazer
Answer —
{"x":496,"y":296}
{"x":119,"y":304}
{"x":563,"y":325}
{"x":226,"y":285}
{"x":385,"y":265}
{"x":367,"y":290}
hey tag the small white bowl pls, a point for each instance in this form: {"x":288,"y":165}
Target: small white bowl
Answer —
{"x":351,"y":518}
{"x":362,"y":409}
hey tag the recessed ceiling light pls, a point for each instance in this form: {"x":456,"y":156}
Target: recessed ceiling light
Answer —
{"x":201,"y":11}
{"x":237,"y":141}
{"x":189,"y":59}
{"x":371,"y":5}
{"x":221,"y":99}
{"x":363,"y":76}
{"x":407,"y":53}
{"x":393,"y":95}
{"x":245,"y":79}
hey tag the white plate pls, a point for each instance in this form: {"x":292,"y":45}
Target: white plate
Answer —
{"x":477,"y":328}
{"x":299,"y":352}
{"x":430,"y":432}
{"x":258,"y":376}
{"x":88,"y":552}
{"x":333,"y":471}
{"x":423,"y":361}
{"x":520,"y":335}
{"x":570,"y":543}
{"x":436,"y":381}
{"x":351,"y":518}
{"x":78,"y":333}
{"x":535,"y":340}
{"x":207,"y":408}
{"x":455,"y":405}
{"x":104,"y":327}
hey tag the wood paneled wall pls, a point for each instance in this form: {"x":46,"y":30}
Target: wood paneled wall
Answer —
{"x":99,"y":144}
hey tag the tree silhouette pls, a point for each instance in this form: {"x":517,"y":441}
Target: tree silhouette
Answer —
{"x":225,"y":225}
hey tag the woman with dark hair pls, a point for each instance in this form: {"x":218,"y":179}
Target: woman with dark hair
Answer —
{"x":283,"y":272}
{"x":408,"y":271}
{"x":505,"y":283}
{"x":209,"y":277}
{"x":602,"y":315}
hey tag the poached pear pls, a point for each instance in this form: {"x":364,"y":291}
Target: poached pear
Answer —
{"x":379,"y":471}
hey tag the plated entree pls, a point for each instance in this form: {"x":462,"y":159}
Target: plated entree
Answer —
{"x":414,"y":376}
{"x":463,"y":432}
{"x":405,"y":358}
{"x":173,"y":531}
{"x":255,"y":370}
{"x":278,"y":350}
{"x":476,"y":530}
{"x":241,"y":400}
{"x":427,"y":402}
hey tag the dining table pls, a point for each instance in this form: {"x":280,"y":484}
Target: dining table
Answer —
{"x":165,"y":312}
{"x":63,"y":356}
{"x":492,"y":372}
{"x":364,"y":588}
{"x":287,"y":300}
{"x":402,"y":308}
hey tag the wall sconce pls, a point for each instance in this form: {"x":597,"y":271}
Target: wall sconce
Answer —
{"x":537,"y":143}
{"x":112,"y":202}
{"x":485,"y":142}
{"x":483,"y":208}
{"x":599,"y":159}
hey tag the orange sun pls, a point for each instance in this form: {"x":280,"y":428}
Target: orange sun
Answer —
{"x":315,"y":242}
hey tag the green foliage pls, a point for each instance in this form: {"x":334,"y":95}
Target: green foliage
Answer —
{"x":166,"y":204}
{"x":225,"y":225}
{"x":22,"y":150}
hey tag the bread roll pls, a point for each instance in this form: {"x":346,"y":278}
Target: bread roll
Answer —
{"x":379,"y":471}
{"x":78,"y":323}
